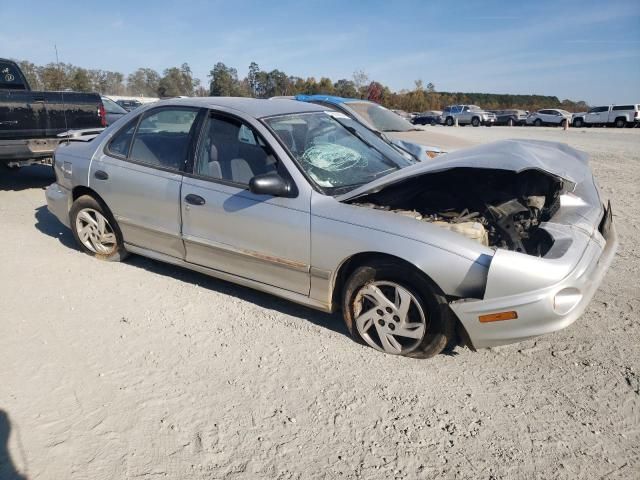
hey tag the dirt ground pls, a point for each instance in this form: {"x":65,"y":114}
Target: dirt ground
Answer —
{"x":143,"y":370}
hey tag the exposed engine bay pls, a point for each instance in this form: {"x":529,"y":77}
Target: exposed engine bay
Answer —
{"x":497,"y":208}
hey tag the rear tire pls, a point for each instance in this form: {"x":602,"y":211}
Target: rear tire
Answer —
{"x":621,"y":123}
{"x":510,"y":122}
{"x":372,"y":311}
{"x":578,"y":123}
{"x":95,"y":230}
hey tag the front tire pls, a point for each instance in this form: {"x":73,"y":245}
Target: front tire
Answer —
{"x":538,"y":122}
{"x":475,"y":121}
{"x":578,"y":123}
{"x":449,"y":121}
{"x":95,"y":230}
{"x":396,"y":310}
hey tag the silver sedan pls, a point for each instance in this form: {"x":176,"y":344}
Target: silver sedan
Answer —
{"x":482,"y":247}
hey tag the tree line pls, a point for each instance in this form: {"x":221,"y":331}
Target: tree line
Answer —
{"x":224,"y":81}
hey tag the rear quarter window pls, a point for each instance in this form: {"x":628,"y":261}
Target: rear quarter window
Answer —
{"x":119,"y":145}
{"x":624,"y":107}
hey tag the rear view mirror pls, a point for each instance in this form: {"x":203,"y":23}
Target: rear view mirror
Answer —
{"x":271,"y":184}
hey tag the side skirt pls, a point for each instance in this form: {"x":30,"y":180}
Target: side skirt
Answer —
{"x":286,"y":294}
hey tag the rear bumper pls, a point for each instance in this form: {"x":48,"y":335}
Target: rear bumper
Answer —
{"x":27,"y":149}
{"x":59,"y":202}
{"x":542,"y":311}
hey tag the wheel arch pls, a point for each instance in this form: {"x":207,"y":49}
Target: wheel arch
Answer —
{"x":349,"y":265}
{"x":81,"y":190}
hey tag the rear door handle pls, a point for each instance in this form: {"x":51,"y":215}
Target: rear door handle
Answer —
{"x":101,"y":175}
{"x":194,"y":199}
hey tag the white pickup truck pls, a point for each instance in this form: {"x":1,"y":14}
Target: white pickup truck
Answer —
{"x":618,"y":115}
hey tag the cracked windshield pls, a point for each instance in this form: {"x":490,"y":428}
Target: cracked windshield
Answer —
{"x":334,"y":152}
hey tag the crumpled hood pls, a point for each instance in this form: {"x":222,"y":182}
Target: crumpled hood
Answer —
{"x":555,"y":158}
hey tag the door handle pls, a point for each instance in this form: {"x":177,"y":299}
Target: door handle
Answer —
{"x":101,"y":175}
{"x":194,"y":199}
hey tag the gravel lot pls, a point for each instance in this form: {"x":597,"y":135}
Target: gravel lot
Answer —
{"x":144,"y":370}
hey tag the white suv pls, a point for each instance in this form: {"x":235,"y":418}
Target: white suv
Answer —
{"x":618,"y":115}
{"x":467,"y":114}
{"x":549,"y":116}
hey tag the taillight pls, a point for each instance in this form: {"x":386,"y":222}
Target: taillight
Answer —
{"x":103,"y":115}
{"x":636,"y":115}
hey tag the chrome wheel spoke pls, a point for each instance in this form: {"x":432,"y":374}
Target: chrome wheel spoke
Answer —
{"x":366,"y":320}
{"x":402,"y":303}
{"x":411,"y":330}
{"x":101,"y":225}
{"x":108,"y":238}
{"x":85,"y":217}
{"x":390,"y":344}
{"x":376,"y":296}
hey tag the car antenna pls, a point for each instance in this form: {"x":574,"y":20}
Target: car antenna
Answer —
{"x":64,"y":107}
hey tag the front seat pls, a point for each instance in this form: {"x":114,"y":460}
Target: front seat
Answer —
{"x":241,"y":171}
{"x":213,"y":166}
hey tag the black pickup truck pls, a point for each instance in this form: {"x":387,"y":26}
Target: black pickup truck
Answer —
{"x":31,"y":122}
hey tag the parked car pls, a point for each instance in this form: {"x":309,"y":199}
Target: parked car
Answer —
{"x":431,"y":117}
{"x":618,"y":115}
{"x":467,"y":115}
{"x":129,"y":105}
{"x":406,"y":115}
{"x":112,"y":110}
{"x":510,"y":117}
{"x":494,"y":244}
{"x":31,"y":121}
{"x":379,"y":119}
{"x":549,"y":116}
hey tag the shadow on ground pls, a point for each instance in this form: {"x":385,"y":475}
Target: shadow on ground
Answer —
{"x":49,"y":225}
{"x":331,"y":322}
{"x":34,"y":176}
{"x":7,"y":468}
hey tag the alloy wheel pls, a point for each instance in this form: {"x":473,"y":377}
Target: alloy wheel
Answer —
{"x":389,"y":317}
{"x":95,"y":232}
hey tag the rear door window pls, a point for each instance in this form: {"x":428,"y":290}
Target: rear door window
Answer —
{"x":623,"y":107}
{"x":163,"y":136}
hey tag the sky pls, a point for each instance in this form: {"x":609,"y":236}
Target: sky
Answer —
{"x":580,"y":50}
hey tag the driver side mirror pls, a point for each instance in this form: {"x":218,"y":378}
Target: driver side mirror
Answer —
{"x":271,"y":184}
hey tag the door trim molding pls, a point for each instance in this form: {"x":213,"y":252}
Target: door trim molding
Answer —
{"x":269,"y":259}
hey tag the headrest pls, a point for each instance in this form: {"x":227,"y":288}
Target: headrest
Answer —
{"x":213,"y":153}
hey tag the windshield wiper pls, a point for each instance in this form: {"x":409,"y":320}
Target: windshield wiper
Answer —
{"x":360,"y":137}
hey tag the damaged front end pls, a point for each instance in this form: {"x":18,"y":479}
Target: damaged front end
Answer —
{"x":497,"y":208}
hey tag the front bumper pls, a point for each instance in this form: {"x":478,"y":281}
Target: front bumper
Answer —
{"x":59,"y":202}
{"x":540,"y":311}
